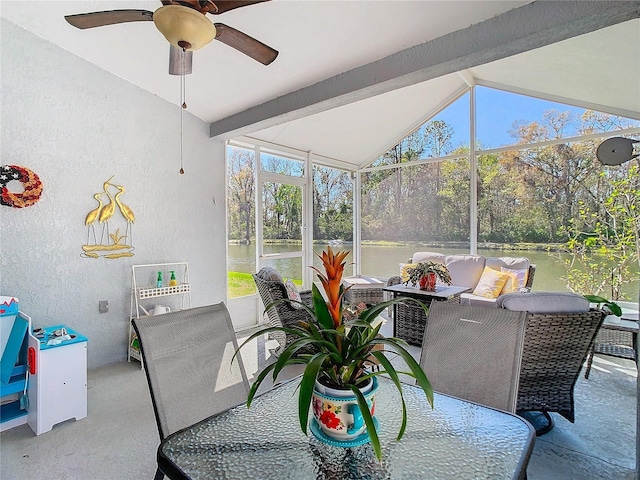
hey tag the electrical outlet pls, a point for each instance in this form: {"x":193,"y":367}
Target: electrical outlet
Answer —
{"x":103,"y":306}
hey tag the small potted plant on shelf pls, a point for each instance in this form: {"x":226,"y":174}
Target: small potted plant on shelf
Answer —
{"x":425,"y":275}
{"x":339,"y":354}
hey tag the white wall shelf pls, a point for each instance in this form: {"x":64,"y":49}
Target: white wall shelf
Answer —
{"x":164,"y":291}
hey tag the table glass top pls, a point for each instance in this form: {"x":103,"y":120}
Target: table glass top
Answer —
{"x":620,"y":323}
{"x":441,"y":290}
{"x":456,"y":439}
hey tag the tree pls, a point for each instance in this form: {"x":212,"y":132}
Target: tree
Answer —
{"x":241,"y":175}
{"x":437,"y":140}
{"x":392,"y":199}
{"x":453,"y":198}
{"x":605,"y":241}
{"x":408,"y":149}
{"x":332,"y":204}
{"x":282,"y":211}
{"x":558,"y":177}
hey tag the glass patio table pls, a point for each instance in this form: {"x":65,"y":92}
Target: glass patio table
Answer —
{"x":455,"y":440}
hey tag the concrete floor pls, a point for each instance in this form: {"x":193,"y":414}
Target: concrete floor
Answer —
{"x":119,"y":438}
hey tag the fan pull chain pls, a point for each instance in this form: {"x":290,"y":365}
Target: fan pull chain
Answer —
{"x":183,"y":100}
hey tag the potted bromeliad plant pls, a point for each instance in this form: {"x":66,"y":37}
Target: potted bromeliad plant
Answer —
{"x":339,"y":379}
{"x":425,"y":275}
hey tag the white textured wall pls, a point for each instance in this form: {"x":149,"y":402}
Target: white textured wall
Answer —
{"x":76,"y":125}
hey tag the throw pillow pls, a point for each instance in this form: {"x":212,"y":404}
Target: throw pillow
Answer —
{"x":511,"y":285}
{"x":491,"y":283}
{"x":292,"y":293}
{"x":520,"y":279}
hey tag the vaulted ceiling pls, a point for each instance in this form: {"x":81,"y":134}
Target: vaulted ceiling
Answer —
{"x":352,"y":77}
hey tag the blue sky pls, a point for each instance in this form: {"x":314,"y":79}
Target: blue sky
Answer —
{"x":496,"y":111}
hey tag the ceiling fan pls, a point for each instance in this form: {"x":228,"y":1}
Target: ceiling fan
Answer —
{"x":185,"y":25}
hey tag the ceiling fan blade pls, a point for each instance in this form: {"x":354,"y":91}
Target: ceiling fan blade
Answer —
{"x":214,"y":7}
{"x":245,"y":44}
{"x":226,"y":5}
{"x":111,"y":17}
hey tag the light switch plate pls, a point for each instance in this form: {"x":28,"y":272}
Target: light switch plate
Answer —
{"x":103,"y":306}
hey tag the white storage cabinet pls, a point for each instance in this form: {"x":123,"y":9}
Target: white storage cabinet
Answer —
{"x":58,"y":389}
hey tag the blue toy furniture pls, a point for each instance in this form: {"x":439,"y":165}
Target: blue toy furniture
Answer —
{"x":43,"y":381}
{"x":13,"y":364}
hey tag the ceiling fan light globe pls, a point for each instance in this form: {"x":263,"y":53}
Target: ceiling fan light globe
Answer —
{"x":183,"y":24}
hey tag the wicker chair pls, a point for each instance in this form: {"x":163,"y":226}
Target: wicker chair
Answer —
{"x":281,"y":313}
{"x":556,"y":346}
{"x":462,"y":341}
{"x":187,"y":360}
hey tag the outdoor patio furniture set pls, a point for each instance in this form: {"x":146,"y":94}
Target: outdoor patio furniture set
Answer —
{"x":207,"y":432}
{"x":560,"y":327}
{"x":472,"y":271}
{"x":535,"y":342}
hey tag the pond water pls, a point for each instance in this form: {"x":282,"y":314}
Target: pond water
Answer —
{"x":383,"y":261}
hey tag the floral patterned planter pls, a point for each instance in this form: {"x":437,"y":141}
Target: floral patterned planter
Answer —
{"x":337,"y":412}
{"x":428,"y":282}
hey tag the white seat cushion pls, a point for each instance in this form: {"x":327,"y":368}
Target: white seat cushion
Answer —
{"x":465,"y":270}
{"x":471,"y":299}
{"x":428,"y":257}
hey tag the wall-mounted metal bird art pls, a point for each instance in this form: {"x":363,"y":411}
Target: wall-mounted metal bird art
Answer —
{"x":126,"y":212}
{"x":116,"y":245}
{"x":92,"y":217}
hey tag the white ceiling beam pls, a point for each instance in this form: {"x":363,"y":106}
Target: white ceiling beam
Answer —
{"x":468,"y":77}
{"x":558,"y":141}
{"x":247,"y":141}
{"x":621,"y":112}
{"x":531,"y":26}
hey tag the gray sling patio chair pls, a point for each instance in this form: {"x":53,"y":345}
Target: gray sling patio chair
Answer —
{"x":187,"y":359}
{"x":474,"y":353}
{"x":271,"y":289}
{"x":561,"y":329}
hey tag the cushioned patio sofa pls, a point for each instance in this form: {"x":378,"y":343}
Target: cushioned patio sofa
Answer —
{"x":487,"y":278}
{"x":469,"y":271}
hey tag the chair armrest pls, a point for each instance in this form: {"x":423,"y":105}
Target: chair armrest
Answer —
{"x":395,"y":280}
{"x":530,"y":275}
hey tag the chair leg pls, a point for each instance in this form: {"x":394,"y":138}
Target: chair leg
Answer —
{"x":589,"y":362}
{"x":159,"y":475}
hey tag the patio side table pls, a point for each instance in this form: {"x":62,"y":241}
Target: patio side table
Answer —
{"x":616,"y":339}
{"x":410,"y":320}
